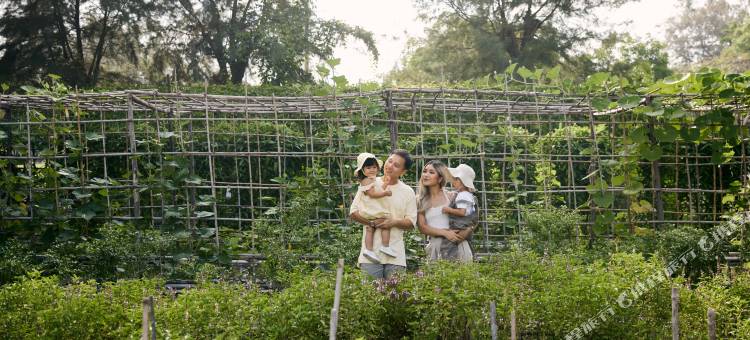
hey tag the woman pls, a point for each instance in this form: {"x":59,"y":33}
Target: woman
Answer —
{"x":430,"y":217}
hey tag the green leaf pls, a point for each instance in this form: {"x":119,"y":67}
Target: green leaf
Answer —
{"x":553,"y":73}
{"x":609,"y":163}
{"x":665,"y":134}
{"x":167,"y":134}
{"x":639,"y":135}
{"x":603,"y":199}
{"x":618,"y":180}
{"x":629,"y":102}
{"x":597,"y":186}
{"x":93,"y":136}
{"x":675,"y":81}
{"x":194,"y":180}
{"x":511,"y":68}
{"x":728,"y":198}
{"x":600,"y":104}
{"x":690,"y":133}
{"x":654,"y":113}
{"x":202,"y":214}
{"x":597,"y":79}
{"x":675,"y":112}
{"x":641,"y":207}
{"x":2,"y":133}
{"x":333,"y":62}
{"x":80,"y":194}
{"x":651,"y":153}
{"x":340,"y":81}
{"x":632,"y":188}
{"x":5,"y":88}
{"x":323,"y":71}
{"x":525,"y":73}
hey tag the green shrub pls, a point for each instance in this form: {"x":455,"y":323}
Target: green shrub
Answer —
{"x":550,"y":230}
{"x":15,"y":260}
{"x":551,"y":296}
{"x":212,"y":311}
{"x":674,"y":241}
{"x":38,"y":307}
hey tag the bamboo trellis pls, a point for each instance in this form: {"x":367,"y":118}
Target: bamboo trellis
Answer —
{"x":230,"y":159}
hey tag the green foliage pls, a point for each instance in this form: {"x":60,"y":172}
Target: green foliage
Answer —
{"x":222,"y":310}
{"x":674,"y":241}
{"x":15,"y":260}
{"x":551,"y":296}
{"x":465,"y":42}
{"x":551,"y":230}
{"x":116,"y":252}
{"x":40,"y":308}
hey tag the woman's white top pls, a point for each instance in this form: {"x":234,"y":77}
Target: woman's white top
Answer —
{"x":435,"y":217}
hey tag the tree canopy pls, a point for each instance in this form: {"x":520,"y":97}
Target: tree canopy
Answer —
{"x":217,"y":40}
{"x":476,"y":37}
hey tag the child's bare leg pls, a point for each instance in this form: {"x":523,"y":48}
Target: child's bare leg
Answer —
{"x":385,"y":237}
{"x":369,"y":234}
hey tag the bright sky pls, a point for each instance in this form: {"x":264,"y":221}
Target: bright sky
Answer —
{"x":394,"y":21}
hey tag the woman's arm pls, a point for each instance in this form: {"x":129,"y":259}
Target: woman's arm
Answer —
{"x":424,"y":228}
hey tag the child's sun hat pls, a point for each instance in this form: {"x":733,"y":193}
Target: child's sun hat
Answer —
{"x":361,"y":158}
{"x":466,"y":174}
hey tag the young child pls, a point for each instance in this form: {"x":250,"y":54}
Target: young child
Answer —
{"x":462,"y":211}
{"x":372,"y":204}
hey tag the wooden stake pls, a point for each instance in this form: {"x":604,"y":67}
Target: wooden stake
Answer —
{"x":493,"y":322}
{"x":513,"y":324}
{"x":675,"y":313}
{"x":146,"y":319}
{"x":711,"y":324}
{"x":336,"y":301}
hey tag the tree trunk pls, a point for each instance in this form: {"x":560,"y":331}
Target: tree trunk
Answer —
{"x":238,"y":71}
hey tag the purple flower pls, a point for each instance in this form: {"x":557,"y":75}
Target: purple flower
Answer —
{"x":405,"y":294}
{"x":394,"y":294}
{"x":380,"y":289}
{"x":419,"y":273}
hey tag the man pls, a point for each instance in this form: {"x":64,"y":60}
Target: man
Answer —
{"x":403,"y":216}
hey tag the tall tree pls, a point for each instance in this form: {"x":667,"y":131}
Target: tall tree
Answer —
{"x":697,"y":34}
{"x":639,"y":62}
{"x":494,"y":33}
{"x":68,"y":37}
{"x":269,"y":38}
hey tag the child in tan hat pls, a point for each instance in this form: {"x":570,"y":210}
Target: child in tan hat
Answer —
{"x":462,"y":210}
{"x":371,"y":205}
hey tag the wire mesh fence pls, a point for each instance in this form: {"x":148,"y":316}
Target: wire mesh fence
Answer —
{"x":207,"y":162}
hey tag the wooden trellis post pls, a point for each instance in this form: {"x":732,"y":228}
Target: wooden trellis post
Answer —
{"x":148,"y":323}
{"x":392,"y":125}
{"x":675,"y":313}
{"x":336,"y":301}
{"x":711,"y":324}
{"x":133,"y":160}
{"x":493,"y":322}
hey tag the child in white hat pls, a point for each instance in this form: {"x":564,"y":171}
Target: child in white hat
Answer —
{"x":462,"y":211}
{"x":372,"y":206}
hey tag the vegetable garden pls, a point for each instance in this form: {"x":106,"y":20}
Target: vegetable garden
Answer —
{"x":141,"y":183}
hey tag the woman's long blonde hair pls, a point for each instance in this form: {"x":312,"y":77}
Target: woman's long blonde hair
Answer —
{"x":424,"y":192}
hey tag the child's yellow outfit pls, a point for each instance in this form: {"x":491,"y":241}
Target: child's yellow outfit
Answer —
{"x":371,"y":208}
